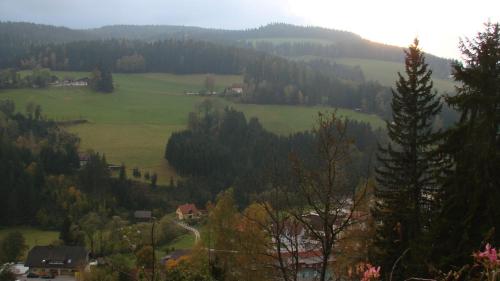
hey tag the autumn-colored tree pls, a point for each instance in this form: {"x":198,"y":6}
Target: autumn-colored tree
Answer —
{"x":253,"y":257}
{"x":355,"y":241}
{"x":322,"y":190}
{"x":223,"y":221}
{"x":144,"y":257}
{"x":190,"y":268}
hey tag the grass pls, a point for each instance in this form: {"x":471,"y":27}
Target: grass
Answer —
{"x":33,"y":236}
{"x":285,"y":119}
{"x":185,"y":241}
{"x":132,"y":125}
{"x":385,"y":72}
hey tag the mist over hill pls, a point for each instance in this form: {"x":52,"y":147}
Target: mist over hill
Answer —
{"x":286,"y":40}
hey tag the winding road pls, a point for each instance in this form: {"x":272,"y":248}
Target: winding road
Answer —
{"x":190,"y":228}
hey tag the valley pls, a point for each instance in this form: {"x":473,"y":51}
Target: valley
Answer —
{"x":132,"y":125}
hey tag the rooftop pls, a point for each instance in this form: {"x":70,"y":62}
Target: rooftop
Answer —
{"x":57,"y":256}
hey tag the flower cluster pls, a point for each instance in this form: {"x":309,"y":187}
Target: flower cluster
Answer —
{"x":489,"y":257}
{"x":372,"y":273}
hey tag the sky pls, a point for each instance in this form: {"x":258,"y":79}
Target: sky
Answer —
{"x":438,"y":23}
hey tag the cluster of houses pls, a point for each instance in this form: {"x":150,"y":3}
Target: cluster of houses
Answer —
{"x":233,"y":90}
{"x":82,"y":82}
{"x":66,"y":263}
{"x":52,"y":261}
{"x":187,"y":212}
{"x":69,"y":262}
{"x":84,"y":159}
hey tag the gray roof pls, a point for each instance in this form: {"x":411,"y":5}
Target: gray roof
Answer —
{"x":57,"y":257}
{"x":142,"y":214}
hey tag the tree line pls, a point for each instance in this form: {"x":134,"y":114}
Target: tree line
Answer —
{"x":344,"y":49}
{"x":40,"y":170}
{"x":331,"y":43}
{"x":438,"y":191}
{"x":434,"y":205}
{"x":221,"y":148}
{"x":269,"y":79}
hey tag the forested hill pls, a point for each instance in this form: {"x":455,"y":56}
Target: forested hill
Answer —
{"x":54,"y":34}
{"x":285,"y":40}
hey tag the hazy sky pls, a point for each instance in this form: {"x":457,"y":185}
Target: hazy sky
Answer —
{"x":438,"y":23}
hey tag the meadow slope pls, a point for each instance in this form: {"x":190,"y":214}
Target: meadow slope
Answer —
{"x":132,"y":125}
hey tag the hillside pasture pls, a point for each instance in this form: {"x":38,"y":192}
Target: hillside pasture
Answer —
{"x":385,"y":72}
{"x":132,"y":125}
{"x":33,"y":236}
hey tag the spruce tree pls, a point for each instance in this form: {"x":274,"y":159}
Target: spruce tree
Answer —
{"x":406,"y":180}
{"x":470,"y":213}
{"x":102,"y":79}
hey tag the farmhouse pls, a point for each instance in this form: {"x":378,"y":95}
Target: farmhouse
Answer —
{"x":82,"y":82}
{"x":51,"y":261}
{"x":309,"y":262}
{"x":187,"y":211}
{"x":84,"y":158}
{"x":235,"y":89}
{"x":142,"y":215}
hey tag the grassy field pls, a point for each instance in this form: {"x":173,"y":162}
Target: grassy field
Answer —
{"x":132,"y":125}
{"x":33,"y":236}
{"x":185,"y":241}
{"x":386,"y":72}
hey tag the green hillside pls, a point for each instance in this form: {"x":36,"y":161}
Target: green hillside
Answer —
{"x":385,"y":72}
{"x":132,"y":124}
{"x":33,"y":236}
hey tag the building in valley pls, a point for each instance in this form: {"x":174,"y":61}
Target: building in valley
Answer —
{"x":52,"y":261}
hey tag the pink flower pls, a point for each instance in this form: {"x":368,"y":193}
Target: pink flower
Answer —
{"x":493,"y":255}
{"x":372,"y":273}
{"x":489,"y":254}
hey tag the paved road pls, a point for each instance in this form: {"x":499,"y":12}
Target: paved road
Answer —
{"x":190,"y":228}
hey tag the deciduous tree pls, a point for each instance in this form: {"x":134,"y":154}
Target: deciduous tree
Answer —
{"x":12,"y":247}
{"x":321,"y":199}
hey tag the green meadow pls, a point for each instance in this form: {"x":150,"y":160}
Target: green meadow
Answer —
{"x":385,"y":72}
{"x":33,"y":236}
{"x":132,"y":125}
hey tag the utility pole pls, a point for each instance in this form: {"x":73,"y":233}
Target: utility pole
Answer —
{"x":153,"y":220}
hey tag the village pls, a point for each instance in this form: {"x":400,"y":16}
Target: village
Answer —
{"x":296,"y":242}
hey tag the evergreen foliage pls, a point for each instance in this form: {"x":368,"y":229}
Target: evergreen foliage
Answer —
{"x":303,"y":41}
{"x":102,"y":80}
{"x":12,"y":247}
{"x":42,"y":183}
{"x":471,"y":189}
{"x":222,"y":149}
{"x":407,"y":173}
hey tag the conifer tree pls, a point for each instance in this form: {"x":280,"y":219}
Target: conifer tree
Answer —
{"x":405,"y":177}
{"x":102,"y":79}
{"x":470,"y":213}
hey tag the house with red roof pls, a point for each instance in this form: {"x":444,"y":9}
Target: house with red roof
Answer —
{"x":187,"y":211}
